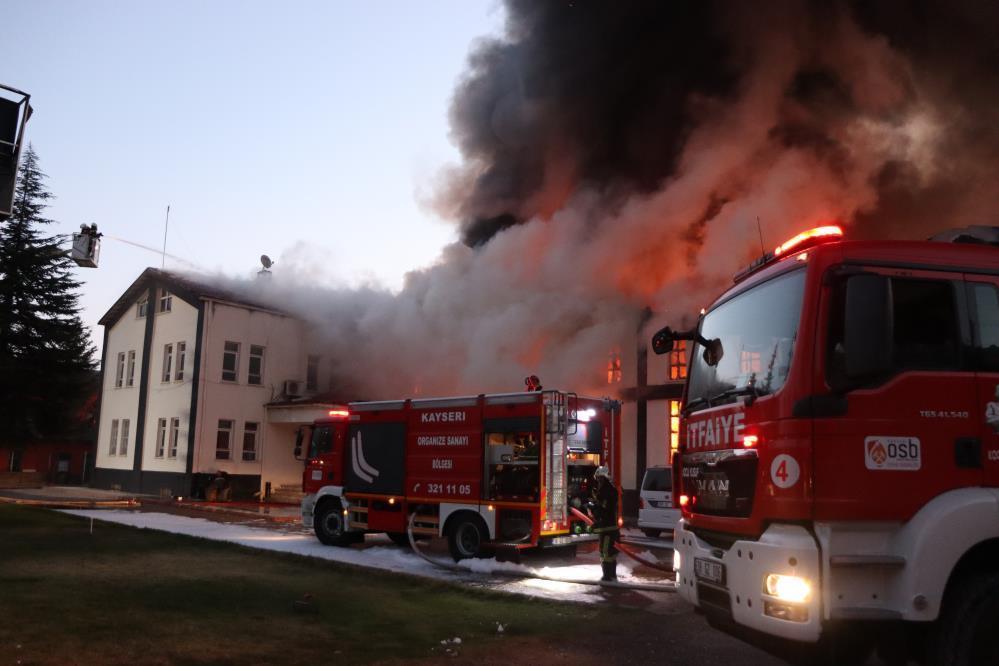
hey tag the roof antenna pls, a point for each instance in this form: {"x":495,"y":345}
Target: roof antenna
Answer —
{"x":759,"y":230}
{"x":166,"y":225}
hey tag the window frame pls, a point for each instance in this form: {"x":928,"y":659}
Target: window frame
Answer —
{"x":113,"y":448}
{"x":259,"y":357}
{"x":174,"y":436}
{"x":228,"y":439}
{"x":834,"y":316}
{"x":142,"y":308}
{"x":167,"y":362}
{"x":130,"y":369}
{"x":178,"y":375}
{"x":256,"y":440}
{"x":123,"y":437}
{"x":164,"y":301}
{"x":161,"y":431}
{"x":235,"y":355}
{"x":979,"y":361}
{"x":119,"y":371}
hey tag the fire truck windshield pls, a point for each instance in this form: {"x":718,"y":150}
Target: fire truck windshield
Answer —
{"x":757,"y":331}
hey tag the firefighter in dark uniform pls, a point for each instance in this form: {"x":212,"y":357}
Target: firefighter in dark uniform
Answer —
{"x":603,"y":508}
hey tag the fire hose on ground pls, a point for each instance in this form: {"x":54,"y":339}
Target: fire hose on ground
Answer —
{"x":648,"y":587}
{"x":622,"y":547}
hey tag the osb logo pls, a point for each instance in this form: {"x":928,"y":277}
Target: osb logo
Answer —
{"x":893,"y":453}
{"x":877,"y":452}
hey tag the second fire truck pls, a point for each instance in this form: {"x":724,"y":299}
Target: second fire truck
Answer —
{"x":482,"y":471}
{"x":838,"y":468}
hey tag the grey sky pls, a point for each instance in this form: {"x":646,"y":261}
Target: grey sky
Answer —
{"x":304,"y":130}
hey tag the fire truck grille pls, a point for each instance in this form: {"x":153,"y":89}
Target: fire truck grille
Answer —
{"x":720,"y":484}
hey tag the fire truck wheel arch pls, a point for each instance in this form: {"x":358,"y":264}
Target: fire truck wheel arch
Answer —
{"x":487,"y":518}
{"x":927,"y":550}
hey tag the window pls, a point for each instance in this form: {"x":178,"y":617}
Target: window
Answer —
{"x":130,"y":380}
{"x":141,"y":307}
{"x":614,"y":367}
{"x":925,"y":327}
{"x":166,"y":301}
{"x":513,"y":458}
{"x":119,"y":372}
{"x":230,"y":361}
{"x":123,"y":442}
{"x":223,"y":441}
{"x":160,"y":437}
{"x":113,"y":450}
{"x":174,"y":435}
{"x":678,"y":360}
{"x":312,"y":373}
{"x":249,"y":441}
{"x":167,"y":361}
{"x":181,"y":360}
{"x":986,"y":301}
{"x":256,"y":372}
{"x":674,"y":427}
{"x":658,"y":480}
{"x":762,"y":320}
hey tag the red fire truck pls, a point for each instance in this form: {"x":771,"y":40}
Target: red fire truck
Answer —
{"x":838,"y":468}
{"x":482,"y":470}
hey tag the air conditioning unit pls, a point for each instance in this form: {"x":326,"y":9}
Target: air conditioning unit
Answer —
{"x":293,"y":388}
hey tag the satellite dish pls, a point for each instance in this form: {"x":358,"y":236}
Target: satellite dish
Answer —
{"x":266,"y":261}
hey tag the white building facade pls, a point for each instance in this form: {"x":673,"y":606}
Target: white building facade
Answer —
{"x":197,"y":381}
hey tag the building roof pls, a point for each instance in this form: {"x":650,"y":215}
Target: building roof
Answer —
{"x":188,"y":287}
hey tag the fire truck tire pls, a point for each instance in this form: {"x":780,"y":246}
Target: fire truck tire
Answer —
{"x":330,"y":525}
{"x":651,"y":533}
{"x":465,"y":537}
{"x":965,"y":631}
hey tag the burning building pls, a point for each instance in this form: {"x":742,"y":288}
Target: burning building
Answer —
{"x":620,"y":159}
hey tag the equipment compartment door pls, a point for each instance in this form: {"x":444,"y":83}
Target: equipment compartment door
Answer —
{"x":375,"y":458}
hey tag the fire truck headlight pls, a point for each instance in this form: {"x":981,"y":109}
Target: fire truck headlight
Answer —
{"x":676,"y":560}
{"x":792,"y":589}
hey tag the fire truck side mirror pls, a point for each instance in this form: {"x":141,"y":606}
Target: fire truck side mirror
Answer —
{"x":662,"y":341}
{"x":867,"y":328}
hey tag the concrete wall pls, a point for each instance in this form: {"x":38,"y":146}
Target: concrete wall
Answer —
{"x":120,"y":403}
{"x":240,"y":402}
{"x":170,"y":399}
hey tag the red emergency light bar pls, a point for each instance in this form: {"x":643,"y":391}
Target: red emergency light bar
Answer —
{"x":803,"y":240}
{"x":339,"y":413}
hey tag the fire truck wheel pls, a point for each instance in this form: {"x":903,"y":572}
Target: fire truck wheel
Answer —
{"x":651,"y":533}
{"x":330,"y":526}
{"x":465,"y":537}
{"x":965,"y":632}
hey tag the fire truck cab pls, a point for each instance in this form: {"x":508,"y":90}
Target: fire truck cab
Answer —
{"x":838,"y":467}
{"x":480,"y":470}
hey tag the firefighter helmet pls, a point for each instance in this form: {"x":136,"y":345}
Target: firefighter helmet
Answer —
{"x":602,"y":471}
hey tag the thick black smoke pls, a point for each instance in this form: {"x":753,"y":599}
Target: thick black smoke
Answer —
{"x":604,"y":96}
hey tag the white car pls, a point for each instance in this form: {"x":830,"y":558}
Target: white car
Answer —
{"x":655,"y":506}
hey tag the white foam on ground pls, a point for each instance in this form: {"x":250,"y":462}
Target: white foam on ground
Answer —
{"x":388,"y":558}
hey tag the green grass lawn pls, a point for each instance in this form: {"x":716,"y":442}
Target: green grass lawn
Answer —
{"x":128,"y":596}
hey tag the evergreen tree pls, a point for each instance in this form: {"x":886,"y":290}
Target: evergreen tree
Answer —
{"x":46,"y":358}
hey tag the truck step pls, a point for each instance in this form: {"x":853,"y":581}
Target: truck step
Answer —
{"x":868,"y":560}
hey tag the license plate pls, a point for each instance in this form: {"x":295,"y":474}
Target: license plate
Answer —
{"x":709,"y":570}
